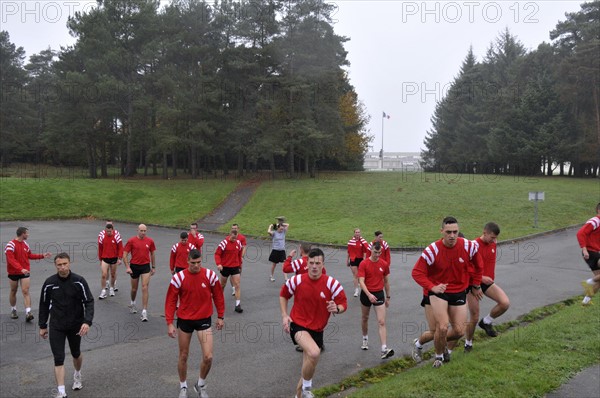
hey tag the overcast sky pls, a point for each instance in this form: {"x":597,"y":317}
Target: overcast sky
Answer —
{"x":403,"y":54}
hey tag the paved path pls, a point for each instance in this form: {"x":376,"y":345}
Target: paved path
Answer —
{"x":230,"y":206}
{"x":124,"y":357}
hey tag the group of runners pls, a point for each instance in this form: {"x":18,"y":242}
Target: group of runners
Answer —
{"x":454,"y":273}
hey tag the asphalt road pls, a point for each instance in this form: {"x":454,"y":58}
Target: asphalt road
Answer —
{"x":124,"y":357}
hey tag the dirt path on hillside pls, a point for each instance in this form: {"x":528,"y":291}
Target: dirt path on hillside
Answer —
{"x":230,"y":206}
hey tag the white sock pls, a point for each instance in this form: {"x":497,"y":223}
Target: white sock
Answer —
{"x":383,"y":347}
{"x":417,"y":344}
{"x":61,"y":390}
{"x":590,"y":281}
{"x":183,"y":384}
{"x":77,"y":373}
{"x":449,"y":351}
{"x":365,"y":337}
{"x":488,"y":320}
{"x":237,"y":302}
{"x":28,"y":309}
{"x":133,"y":302}
{"x":468,"y":342}
{"x":201,"y":382}
{"x":306,"y":384}
{"x":13,"y":308}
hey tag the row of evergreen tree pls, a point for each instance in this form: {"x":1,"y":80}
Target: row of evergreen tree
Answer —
{"x":520,"y":112}
{"x":193,"y":85}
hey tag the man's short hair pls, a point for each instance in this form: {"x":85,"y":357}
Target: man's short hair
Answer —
{"x":194,"y":224}
{"x":183,"y":235}
{"x":377,"y":233}
{"x":492,"y":227}
{"x":22,"y":230}
{"x":194,"y":254}
{"x":449,"y":220}
{"x":109,"y":226}
{"x":62,"y":255}
{"x":377,"y":246}
{"x":316,"y":252}
{"x":305,"y":247}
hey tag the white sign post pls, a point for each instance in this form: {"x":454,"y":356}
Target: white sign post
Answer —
{"x":536,"y":197}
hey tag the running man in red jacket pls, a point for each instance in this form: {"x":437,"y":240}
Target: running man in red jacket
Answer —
{"x":196,"y":288}
{"x":589,"y":241}
{"x":446,"y":268}
{"x":18,"y":254}
{"x":110,"y":253}
{"x":316,"y":297}
{"x":178,"y":260}
{"x":142,"y":266}
{"x":357,"y":251}
{"x":373,"y":277}
{"x":228,"y":257}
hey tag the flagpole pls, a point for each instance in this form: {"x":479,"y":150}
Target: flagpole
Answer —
{"x":382,"y":120}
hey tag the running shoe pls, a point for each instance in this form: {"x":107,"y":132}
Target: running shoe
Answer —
{"x":365,"y":344}
{"x":183,"y":392}
{"x":29,"y":317}
{"x":144,"y":316}
{"x":77,"y":382}
{"x":58,"y":394}
{"x":387,"y":353}
{"x":13,"y":314}
{"x":201,"y":390}
{"x":417,"y":353}
{"x":447,"y":355}
{"x":107,"y":285}
{"x":356,"y":291}
{"x":111,"y":292}
{"x":586,"y":301}
{"x":272,"y":278}
{"x":132,"y":309}
{"x":468,"y":348}
{"x":307,"y":394}
{"x":437,"y":363}
{"x":587,"y":288}
{"x":489,"y":329}
{"x":238,"y":309}
{"x":102,"y":294}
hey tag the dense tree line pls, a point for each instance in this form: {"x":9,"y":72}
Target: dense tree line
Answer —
{"x":519,"y":112}
{"x":194,"y":85}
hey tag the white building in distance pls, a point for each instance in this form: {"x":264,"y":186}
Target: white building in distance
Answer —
{"x":393,"y":161}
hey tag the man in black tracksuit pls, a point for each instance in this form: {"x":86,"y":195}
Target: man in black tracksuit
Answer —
{"x":67,"y":299}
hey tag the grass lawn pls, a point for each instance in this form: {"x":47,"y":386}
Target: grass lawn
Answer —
{"x":409,"y":207}
{"x":164,"y":202}
{"x":529,"y":359}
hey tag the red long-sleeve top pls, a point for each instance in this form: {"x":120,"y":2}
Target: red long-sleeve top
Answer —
{"x":196,"y":294}
{"x":110,"y":246}
{"x":456,"y":266}
{"x":589,"y":235}
{"x":179,"y":255}
{"x":18,"y":255}
{"x":228,"y":253}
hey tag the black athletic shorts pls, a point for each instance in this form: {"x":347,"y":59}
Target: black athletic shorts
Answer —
{"x":229,"y":271}
{"x":179,"y":269}
{"x":356,"y":262}
{"x":277,"y":256}
{"x":110,"y":261}
{"x":455,"y":299}
{"x":364,"y":300}
{"x":425,"y":301}
{"x":593,"y":260}
{"x":137,"y":270}
{"x":188,"y":326}
{"x":485,"y":287}
{"x":17,"y":277}
{"x":316,"y":336}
